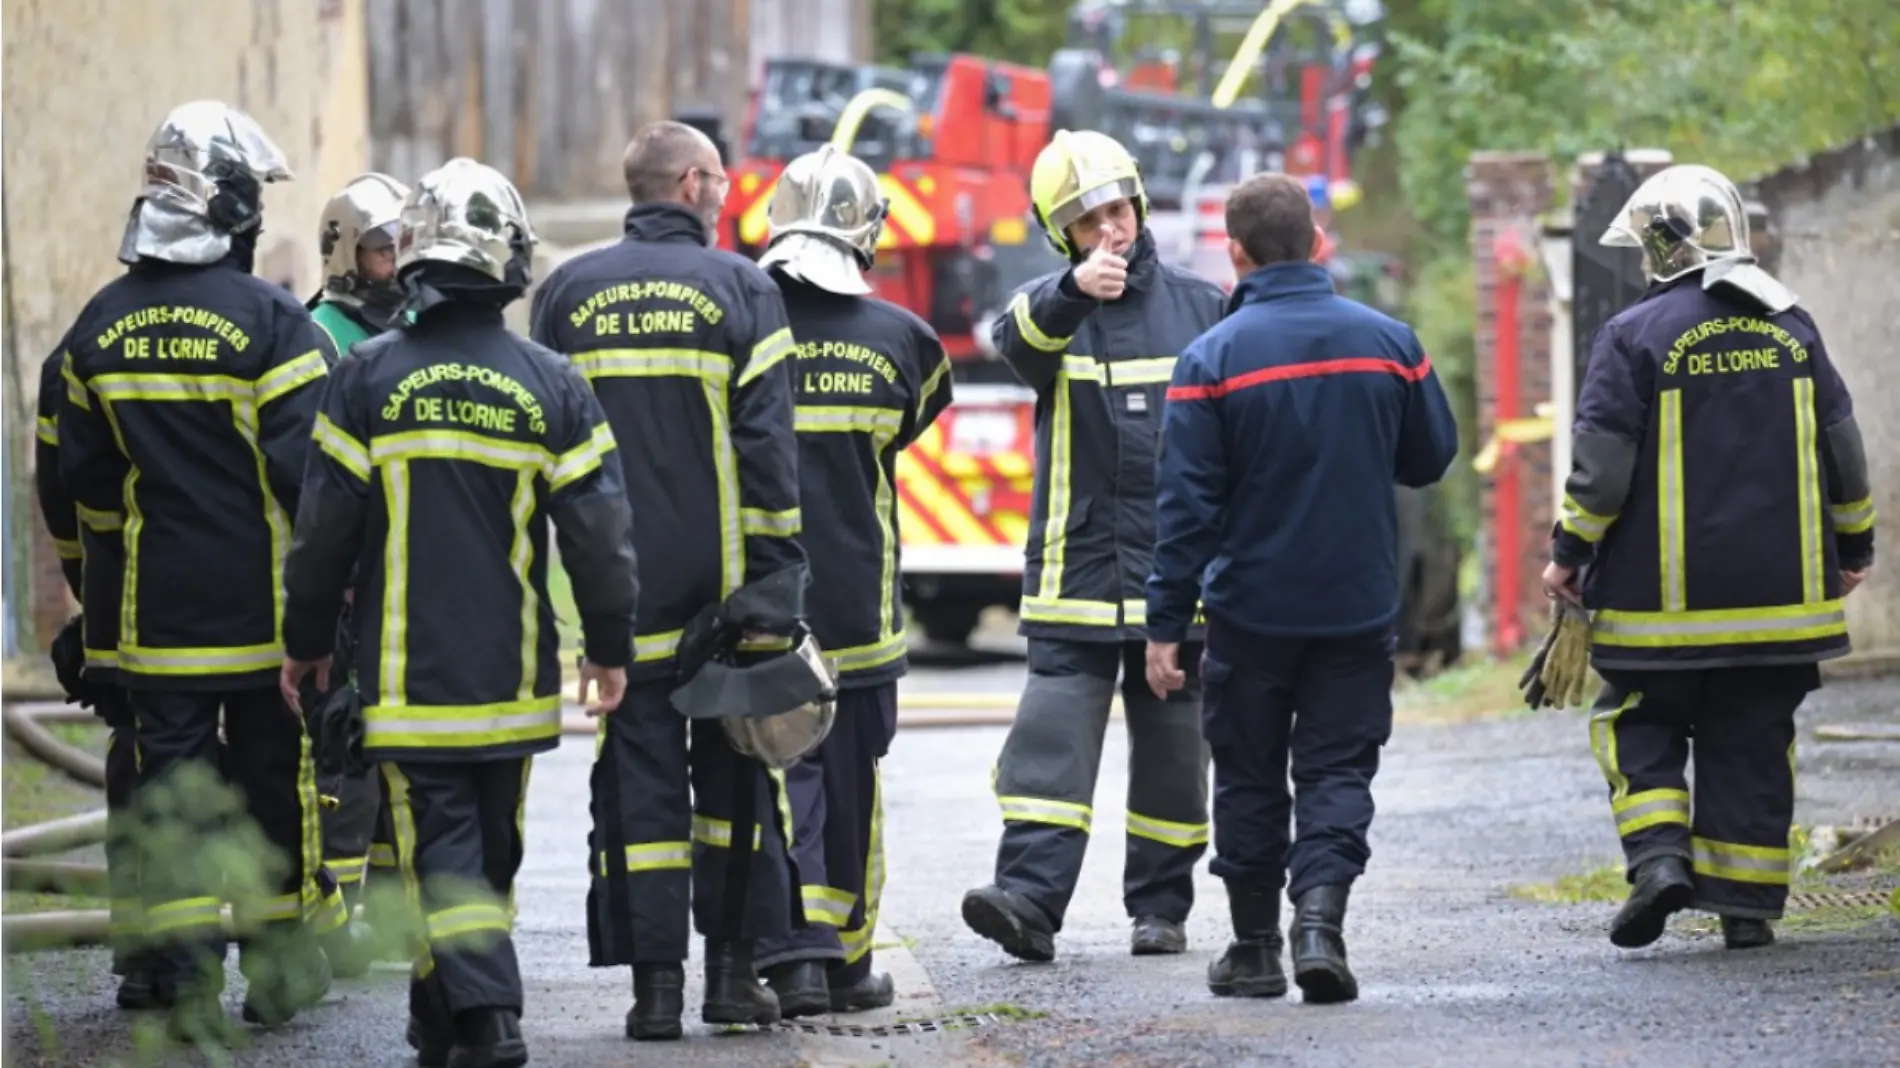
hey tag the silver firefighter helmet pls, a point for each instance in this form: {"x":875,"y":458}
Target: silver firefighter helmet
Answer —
{"x":826,"y":216}
{"x":205,"y":166}
{"x":366,"y":214}
{"x":782,"y":740}
{"x":776,"y":711}
{"x":1689,"y":218}
{"x":467,"y":213}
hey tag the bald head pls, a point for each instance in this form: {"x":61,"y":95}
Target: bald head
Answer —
{"x":659,"y":157}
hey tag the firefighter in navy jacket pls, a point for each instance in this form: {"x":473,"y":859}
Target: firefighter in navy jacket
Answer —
{"x":444,"y":448}
{"x":1096,"y":342}
{"x":1286,"y":427}
{"x":687,"y":347}
{"x":871,"y":377}
{"x":1719,"y":509}
{"x":192,"y":387}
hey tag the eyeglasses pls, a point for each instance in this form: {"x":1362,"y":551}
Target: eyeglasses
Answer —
{"x":720,"y":176}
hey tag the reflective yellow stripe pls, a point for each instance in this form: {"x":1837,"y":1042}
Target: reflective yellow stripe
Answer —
{"x":656,"y":646}
{"x":480,"y":922}
{"x":882,"y":425}
{"x":1669,"y":502}
{"x":824,"y":418}
{"x":337,"y":444}
{"x":659,"y":856}
{"x":1854,"y":517}
{"x":1651,"y":808}
{"x":382,"y":855}
{"x":930,"y":387}
{"x":347,"y":870}
{"x":1135,"y":613}
{"x":1033,"y":334}
{"x":287,"y":376}
{"x":715,"y":832}
{"x":102,"y":658}
{"x":393,"y":688}
{"x":1719,"y":626}
{"x":857,"y":940}
{"x":1765,"y":865}
{"x":1167,"y":832}
{"x":1810,"y":493}
{"x":402,"y":820}
{"x":521,"y":558}
{"x":145,"y":660}
{"x":69,"y":549}
{"x":1043,"y":810}
{"x":1603,"y":745}
{"x":1069,"y":609}
{"x":726,"y":477}
{"x":250,"y":914}
{"x":768,"y":353}
{"x":102,"y":522}
{"x":583,"y":459}
{"x":865,"y":657}
{"x":654,"y":363}
{"x":392,"y":726}
{"x":460,"y":445}
{"x":49,"y":430}
{"x":76,"y":391}
{"x":757,"y":522}
{"x":327,"y":913}
{"x":1584,"y":524}
{"x":184,"y":914}
{"x":826,"y":905}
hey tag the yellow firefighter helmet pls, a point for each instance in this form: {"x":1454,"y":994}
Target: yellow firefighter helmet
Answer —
{"x":1079,"y":171}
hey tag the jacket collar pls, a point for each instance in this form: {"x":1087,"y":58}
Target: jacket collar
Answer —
{"x":666,"y":223}
{"x":1144,"y":263}
{"x":1279,"y":281}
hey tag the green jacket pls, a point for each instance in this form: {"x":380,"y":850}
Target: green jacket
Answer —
{"x":342,"y":327}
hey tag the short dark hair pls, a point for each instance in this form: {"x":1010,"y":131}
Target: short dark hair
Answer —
{"x":1271,"y":216}
{"x":658,"y":157}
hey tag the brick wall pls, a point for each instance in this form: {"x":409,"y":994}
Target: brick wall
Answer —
{"x":1508,"y":192}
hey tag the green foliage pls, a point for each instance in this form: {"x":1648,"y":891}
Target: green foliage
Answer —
{"x":1020,"y":31}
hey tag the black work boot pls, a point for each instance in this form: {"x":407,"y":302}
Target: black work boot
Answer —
{"x":734,"y":994}
{"x":874,"y":991}
{"x":1319,"y":946}
{"x":801,"y":988}
{"x":1011,"y":922}
{"x":1659,"y":887}
{"x":1251,"y":966}
{"x":488,"y":1038}
{"x":431,"y":1031}
{"x":659,"y":998}
{"x":431,"y":1044}
{"x":1157,"y":936}
{"x":1742,"y":932}
{"x":139,"y":989}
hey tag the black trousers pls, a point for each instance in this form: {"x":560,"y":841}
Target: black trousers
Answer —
{"x":838,"y":838}
{"x":349,"y":827}
{"x":122,"y":847}
{"x":671,"y":799}
{"x":1045,"y":779}
{"x":1324,"y":705}
{"x":201,"y":840}
{"x":1739,"y":721}
{"x":458,"y":845}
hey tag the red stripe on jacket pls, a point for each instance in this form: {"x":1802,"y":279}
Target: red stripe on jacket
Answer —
{"x":1352,"y":365}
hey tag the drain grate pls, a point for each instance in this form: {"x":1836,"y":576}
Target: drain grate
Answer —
{"x":908,"y":1027}
{"x":1808,"y":901}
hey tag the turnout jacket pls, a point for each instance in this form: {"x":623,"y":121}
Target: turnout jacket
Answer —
{"x":688,"y":349}
{"x":1100,"y":372}
{"x":443,"y":450}
{"x":1286,"y":427}
{"x":1718,"y":486}
{"x":190,"y":396}
{"x":871,"y":377}
{"x":92,"y":562}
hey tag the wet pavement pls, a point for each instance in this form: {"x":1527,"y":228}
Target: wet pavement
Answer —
{"x":1454,"y":970}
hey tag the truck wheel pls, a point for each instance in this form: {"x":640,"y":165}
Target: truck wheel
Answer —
{"x":949,"y":622}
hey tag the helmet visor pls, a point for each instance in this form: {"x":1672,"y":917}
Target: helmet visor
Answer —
{"x":1067,"y":212}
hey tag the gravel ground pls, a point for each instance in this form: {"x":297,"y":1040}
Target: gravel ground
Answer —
{"x":1453,"y":970}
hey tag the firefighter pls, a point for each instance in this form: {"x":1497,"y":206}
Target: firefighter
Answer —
{"x":85,"y":657}
{"x":689,"y":351}
{"x":192,"y":387}
{"x":1096,"y":341}
{"x":1717,"y":511}
{"x":1286,"y":427}
{"x":444,"y":449}
{"x":871,"y":377}
{"x":356,"y":235}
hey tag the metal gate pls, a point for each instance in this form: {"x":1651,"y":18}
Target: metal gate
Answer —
{"x":1604,"y":280}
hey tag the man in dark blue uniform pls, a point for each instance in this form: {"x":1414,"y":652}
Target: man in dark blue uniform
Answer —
{"x":1719,"y":508}
{"x":1286,"y":426}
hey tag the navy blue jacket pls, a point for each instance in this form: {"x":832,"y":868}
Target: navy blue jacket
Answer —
{"x":1286,"y":426}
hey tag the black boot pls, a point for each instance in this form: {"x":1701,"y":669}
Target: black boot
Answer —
{"x":431,"y":1030}
{"x":1251,"y":966}
{"x":1659,"y":887}
{"x":1157,"y":936}
{"x":659,"y":998}
{"x":1011,"y":922}
{"x":288,"y":973}
{"x":139,"y":989}
{"x":874,"y":991}
{"x":801,"y":988}
{"x":734,"y":994}
{"x":488,"y":1038}
{"x":1742,"y":932}
{"x":1319,"y":946}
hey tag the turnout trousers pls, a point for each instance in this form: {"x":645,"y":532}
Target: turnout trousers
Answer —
{"x":671,"y":801}
{"x":1045,"y":779}
{"x":349,"y":826}
{"x":122,"y":848}
{"x":1322,"y":705}
{"x":1739,"y":721}
{"x":838,"y":838}
{"x":458,"y":831}
{"x":196,"y":847}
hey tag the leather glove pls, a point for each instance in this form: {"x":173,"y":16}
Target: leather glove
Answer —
{"x":69,"y":663}
{"x":1566,"y":671}
{"x":1532,"y":681}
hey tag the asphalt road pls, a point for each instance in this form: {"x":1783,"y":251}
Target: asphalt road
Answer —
{"x":1454,"y":971}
